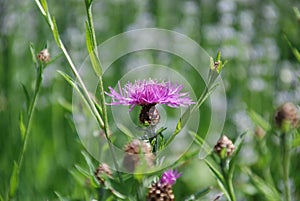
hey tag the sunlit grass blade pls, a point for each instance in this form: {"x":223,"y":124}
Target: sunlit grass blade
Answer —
{"x":14,"y":180}
{"x":238,"y":146}
{"x":294,"y":50}
{"x":22,"y":126}
{"x":33,"y":53}
{"x":60,"y":197}
{"x":91,"y":49}
{"x":27,"y":97}
{"x":259,"y":120}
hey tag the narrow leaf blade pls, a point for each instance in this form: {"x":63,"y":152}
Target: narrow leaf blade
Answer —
{"x":22,"y":126}
{"x":27,"y":97}
{"x":14,"y":180}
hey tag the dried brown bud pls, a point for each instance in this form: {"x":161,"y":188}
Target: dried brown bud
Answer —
{"x":133,"y":153}
{"x":103,"y":169}
{"x":160,"y":191}
{"x":287,"y":113}
{"x":260,"y":132}
{"x":44,"y":55}
{"x":224,"y":144}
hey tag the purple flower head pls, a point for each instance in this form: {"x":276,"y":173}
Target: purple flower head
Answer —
{"x":170,"y":177}
{"x":150,"y":92}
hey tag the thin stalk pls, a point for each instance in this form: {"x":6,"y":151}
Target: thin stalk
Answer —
{"x":102,"y":96}
{"x":286,"y":165}
{"x":228,"y":181}
{"x":38,"y":83}
{"x":91,"y":105}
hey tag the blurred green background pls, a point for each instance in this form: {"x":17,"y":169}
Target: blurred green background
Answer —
{"x":261,"y":74}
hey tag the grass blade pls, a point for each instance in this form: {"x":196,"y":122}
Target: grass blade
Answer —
{"x":14,"y":181}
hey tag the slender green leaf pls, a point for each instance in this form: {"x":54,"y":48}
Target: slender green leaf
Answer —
{"x":114,"y":191}
{"x":1,"y":198}
{"x":296,"y":141}
{"x":214,"y":170}
{"x":238,"y":144}
{"x":224,"y":190}
{"x":89,"y":37}
{"x":201,"y":142}
{"x":55,"y":33}
{"x":44,"y":5}
{"x":125,"y":130}
{"x":269,"y":191}
{"x":33,"y":53}
{"x":60,"y":197}
{"x":14,"y":180}
{"x":91,"y":49}
{"x":297,"y":12}
{"x":294,"y":50}
{"x":88,"y":162}
{"x":259,"y":120}
{"x":82,"y":171}
{"x":199,"y":194}
{"x":175,"y":133}
{"x":22,"y":126}
{"x":27,"y":97}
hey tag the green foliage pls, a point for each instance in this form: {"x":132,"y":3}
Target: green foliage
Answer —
{"x":259,"y":39}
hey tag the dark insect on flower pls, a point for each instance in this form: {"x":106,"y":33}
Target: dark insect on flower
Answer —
{"x":148,"y":93}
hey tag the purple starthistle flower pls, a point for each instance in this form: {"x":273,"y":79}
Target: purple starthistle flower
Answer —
{"x":150,"y":92}
{"x":170,"y":177}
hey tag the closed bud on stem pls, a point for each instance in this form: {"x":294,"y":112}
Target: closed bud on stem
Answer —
{"x":102,"y":171}
{"x":44,"y":55}
{"x":287,"y":117}
{"x":160,"y":191}
{"x":135,"y":152}
{"x":224,"y":147}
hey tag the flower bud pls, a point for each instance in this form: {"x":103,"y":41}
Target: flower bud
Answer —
{"x":287,"y":116}
{"x":44,"y":55}
{"x":103,"y":170}
{"x":224,"y":147}
{"x":133,"y":153}
{"x":160,"y":191}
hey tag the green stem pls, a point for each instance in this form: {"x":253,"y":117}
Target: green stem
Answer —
{"x":102,"y":95}
{"x":286,"y":164}
{"x":38,"y":83}
{"x":228,"y":181}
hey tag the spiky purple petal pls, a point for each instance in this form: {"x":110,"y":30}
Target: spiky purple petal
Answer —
{"x":170,"y":177}
{"x":145,"y":92}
